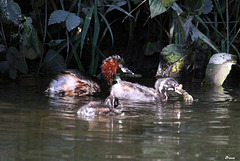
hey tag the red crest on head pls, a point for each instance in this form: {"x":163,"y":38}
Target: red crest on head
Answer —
{"x":110,"y":67}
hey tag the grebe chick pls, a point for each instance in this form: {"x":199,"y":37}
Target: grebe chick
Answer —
{"x":77,"y":83}
{"x":108,"y":108}
{"x":137,"y":92}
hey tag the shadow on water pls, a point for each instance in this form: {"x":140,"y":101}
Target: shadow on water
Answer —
{"x":34,"y":126}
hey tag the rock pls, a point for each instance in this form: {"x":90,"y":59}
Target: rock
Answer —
{"x":218,"y":68}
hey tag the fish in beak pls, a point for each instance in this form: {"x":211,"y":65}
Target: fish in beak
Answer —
{"x":178,"y":89}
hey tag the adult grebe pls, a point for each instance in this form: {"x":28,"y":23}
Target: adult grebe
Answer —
{"x":77,"y":83}
{"x":108,"y":108}
{"x":136,"y":92}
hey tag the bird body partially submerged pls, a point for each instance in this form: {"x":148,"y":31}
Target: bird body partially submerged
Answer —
{"x":108,"y":108}
{"x":77,"y":83}
{"x":136,"y":92}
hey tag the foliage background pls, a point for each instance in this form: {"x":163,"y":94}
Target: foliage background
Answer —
{"x":45,"y":37}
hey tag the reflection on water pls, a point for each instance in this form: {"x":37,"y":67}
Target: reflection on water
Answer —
{"x":217,"y":94}
{"x":34,"y":126}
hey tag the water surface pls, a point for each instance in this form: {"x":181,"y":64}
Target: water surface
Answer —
{"x":34,"y":126}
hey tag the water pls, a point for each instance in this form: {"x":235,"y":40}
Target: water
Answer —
{"x":36,"y":127}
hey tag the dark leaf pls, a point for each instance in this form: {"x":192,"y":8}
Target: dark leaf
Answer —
{"x":79,"y":63}
{"x":12,"y":72}
{"x":11,"y":59}
{"x":30,"y":53}
{"x":167,"y":3}
{"x":72,"y":21}
{"x":151,"y":48}
{"x":22,"y":67}
{"x":93,"y":66}
{"x":195,"y":6}
{"x":58,"y":17}
{"x":120,"y":9}
{"x":187,"y":26}
{"x":11,"y":11}
{"x":156,"y":7}
{"x":14,"y":52}
{"x":85,"y":28}
{"x":54,"y":43}
{"x":208,"y":6}
{"x":4,"y":65}
{"x":108,"y":27}
{"x":34,"y":41}
{"x":178,"y":9}
{"x":15,"y":7}
{"x":54,"y":62}
{"x":118,"y":3}
{"x":2,"y":47}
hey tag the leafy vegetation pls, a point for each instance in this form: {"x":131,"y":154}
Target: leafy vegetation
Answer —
{"x":56,"y":34}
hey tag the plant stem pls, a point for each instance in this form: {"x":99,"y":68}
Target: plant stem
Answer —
{"x":67,"y":46}
{"x":45,"y":25}
{"x":62,"y":5}
{"x":227,"y":19}
{"x":3,"y":34}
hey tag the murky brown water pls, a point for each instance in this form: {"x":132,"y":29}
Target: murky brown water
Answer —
{"x":36,"y":127}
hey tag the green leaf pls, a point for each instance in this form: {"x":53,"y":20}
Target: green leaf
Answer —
{"x":30,"y":53}
{"x":73,"y":4}
{"x":177,"y":66}
{"x":195,"y":6}
{"x":72,"y":21}
{"x":202,"y":22}
{"x":173,"y":53}
{"x":58,"y":17}
{"x":80,"y":66}
{"x":156,"y":7}
{"x":28,"y":27}
{"x":167,"y":3}
{"x":93,"y":67}
{"x":54,"y":43}
{"x":22,"y":67}
{"x":204,"y":38}
{"x":108,"y":26}
{"x":77,"y":40}
{"x":178,"y":9}
{"x":85,"y":28}
{"x":34,"y":41}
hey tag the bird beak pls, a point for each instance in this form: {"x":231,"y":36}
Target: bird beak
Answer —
{"x":178,"y":89}
{"x":126,"y":70}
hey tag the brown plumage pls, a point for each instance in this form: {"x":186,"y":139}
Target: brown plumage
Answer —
{"x":77,"y":83}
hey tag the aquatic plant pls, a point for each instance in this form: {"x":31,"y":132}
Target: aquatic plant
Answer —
{"x":76,"y":33}
{"x":22,"y":33}
{"x":194,"y":22}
